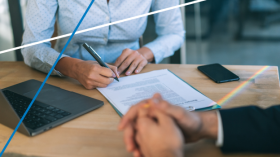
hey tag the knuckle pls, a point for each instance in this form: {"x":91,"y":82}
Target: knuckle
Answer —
{"x":120,"y":59}
{"x":114,"y":68}
{"x":94,"y":68}
{"x":88,"y":75}
{"x":133,"y":107}
{"x":117,"y":61}
{"x":126,"y":64}
{"x":125,"y":51}
{"x":88,"y":83}
{"x":134,"y":64}
{"x":108,"y":71}
{"x":165,"y":104}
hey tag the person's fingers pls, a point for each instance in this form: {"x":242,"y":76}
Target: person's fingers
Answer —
{"x":88,"y":86}
{"x":114,"y":69}
{"x":143,"y":112}
{"x":140,"y":66}
{"x":175,"y":112}
{"x":130,"y":115}
{"x":127,"y":62}
{"x":133,"y":66}
{"x":136,"y":152}
{"x":122,"y":57}
{"x":155,"y":100}
{"x":106,"y":72}
{"x":91,"y":84}
{"x":161,"y":117}
{"x":100,"y":79}
{"x":157,"y":96}
{"x":129,"y":138}
{"x":98,"y":84}
{"x":144,"y":125}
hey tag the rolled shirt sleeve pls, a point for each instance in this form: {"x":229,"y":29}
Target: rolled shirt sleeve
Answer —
{"x":169,"y":28}
{"x":39,"y":25}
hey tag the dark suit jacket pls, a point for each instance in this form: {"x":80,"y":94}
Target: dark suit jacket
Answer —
{"x":251,"y":129}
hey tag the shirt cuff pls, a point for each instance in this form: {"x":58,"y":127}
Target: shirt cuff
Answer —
{"x":157,"y":51}
{"x":220,"y":140}
{"x":58,"y":73}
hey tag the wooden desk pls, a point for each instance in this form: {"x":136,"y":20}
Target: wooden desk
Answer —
{"x":95,"y":134}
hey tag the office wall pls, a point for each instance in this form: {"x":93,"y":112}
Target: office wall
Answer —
{"x":6,"y":38}
{"x":6,"y":34}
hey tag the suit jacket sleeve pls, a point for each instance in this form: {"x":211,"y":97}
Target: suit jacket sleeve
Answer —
{"x":251,"y":129}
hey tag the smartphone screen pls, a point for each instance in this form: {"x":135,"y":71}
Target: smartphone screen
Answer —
{"x":218,"y":73}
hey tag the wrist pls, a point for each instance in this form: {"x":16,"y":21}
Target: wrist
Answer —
{"x":146,"y":53}
{"x":68,"y":66}
{"x":209,"y":125}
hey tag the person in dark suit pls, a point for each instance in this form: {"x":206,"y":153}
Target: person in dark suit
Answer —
{"x":154,"y":128}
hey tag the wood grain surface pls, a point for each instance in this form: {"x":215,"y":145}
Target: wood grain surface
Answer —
{"x":95,"y":134}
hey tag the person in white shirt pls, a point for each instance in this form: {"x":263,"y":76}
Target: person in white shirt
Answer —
{"x":117,"y":44}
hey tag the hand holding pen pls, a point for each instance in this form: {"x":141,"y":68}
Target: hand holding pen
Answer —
{"x":98,"y":58}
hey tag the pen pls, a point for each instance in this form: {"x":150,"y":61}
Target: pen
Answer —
{"x":96,"y":57}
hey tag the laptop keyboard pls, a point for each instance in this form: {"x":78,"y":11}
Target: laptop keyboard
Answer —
{"x":38,"y":115}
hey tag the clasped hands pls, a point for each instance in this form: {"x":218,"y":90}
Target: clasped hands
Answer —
{"x":155,"y":128}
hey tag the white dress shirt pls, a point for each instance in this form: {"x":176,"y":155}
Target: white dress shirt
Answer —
{"x":110,"y":41}
{"x":220,"y":139}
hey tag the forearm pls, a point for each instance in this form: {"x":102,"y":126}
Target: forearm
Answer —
{"x":67,"y":66}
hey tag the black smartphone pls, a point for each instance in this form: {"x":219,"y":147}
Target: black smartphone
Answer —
{"x":218,"y":73}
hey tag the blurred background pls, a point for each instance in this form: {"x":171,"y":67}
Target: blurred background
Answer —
{"x":232,"y":32}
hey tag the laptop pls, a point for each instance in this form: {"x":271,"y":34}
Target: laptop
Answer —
{"x":53,"y":106}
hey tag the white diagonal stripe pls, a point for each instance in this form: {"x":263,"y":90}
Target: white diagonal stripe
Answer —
{"x":105,"y":25}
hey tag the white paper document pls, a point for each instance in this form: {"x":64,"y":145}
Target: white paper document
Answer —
{"x":133,"y":89}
